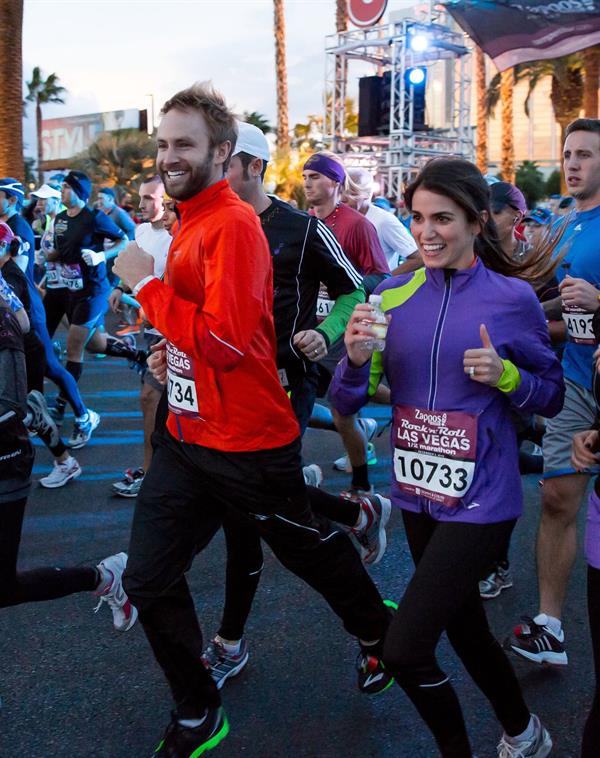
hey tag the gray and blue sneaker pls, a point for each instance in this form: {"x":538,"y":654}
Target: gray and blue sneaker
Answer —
{"x":82,"y":430}
{"x":221,"y":664}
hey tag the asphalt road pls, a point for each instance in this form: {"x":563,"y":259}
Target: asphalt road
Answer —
{"x":72,"y":686}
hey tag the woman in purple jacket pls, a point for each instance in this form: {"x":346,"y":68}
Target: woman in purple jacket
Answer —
{"x":466,"y":343}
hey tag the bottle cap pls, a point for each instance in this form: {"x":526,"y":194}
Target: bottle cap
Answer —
{"x":375,"y":300}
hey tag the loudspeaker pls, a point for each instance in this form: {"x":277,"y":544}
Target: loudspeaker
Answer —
{"x":370,"y":93}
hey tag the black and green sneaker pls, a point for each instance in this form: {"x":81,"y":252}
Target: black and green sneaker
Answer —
{"x":372,"y":676}
{"x":185,"y":742}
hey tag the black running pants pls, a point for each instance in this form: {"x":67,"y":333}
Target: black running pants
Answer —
{"x":443,"y":596}
{"x":591,"y":734}
{"x":245,"y":558}
{"x":39,"y":584}
{"x":181,"y":505}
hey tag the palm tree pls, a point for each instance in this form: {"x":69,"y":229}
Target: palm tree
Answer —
{"x":482,"y":115}
{"x":341,"y":15}
{"x":257,"y":119}
{"x":567,"y":86}
{"x":123,"y":159}
{"x":41,"y":92}
{"x":591,"y":66}
{"x":507,"y":164}
{"x":283,"y":137}
{"x":11,"y":112}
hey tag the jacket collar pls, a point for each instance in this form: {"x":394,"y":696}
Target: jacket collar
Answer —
{"x":188,"y":207}
{"x":438,"y":276}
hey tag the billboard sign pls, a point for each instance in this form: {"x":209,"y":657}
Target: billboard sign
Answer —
{"x":63,"y":138}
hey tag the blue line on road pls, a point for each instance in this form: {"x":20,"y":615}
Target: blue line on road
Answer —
{"x":64,"y":522}
{"x":133,"y":439}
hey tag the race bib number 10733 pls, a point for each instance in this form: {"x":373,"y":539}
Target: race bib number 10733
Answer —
{"x":434,"y":453}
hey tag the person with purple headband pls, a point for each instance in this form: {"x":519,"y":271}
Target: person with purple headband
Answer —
{"x":324,"y":178}
{"x":586,"y":446}
{"x":508,"y":208}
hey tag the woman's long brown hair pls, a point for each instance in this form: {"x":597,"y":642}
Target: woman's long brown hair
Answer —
{"x":464,"y":183}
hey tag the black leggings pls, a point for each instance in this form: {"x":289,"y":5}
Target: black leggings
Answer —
{"x":443,"y":596}
{"x":591,"y":733}
{"x":39,"y":584}
{"x":245,"y":558}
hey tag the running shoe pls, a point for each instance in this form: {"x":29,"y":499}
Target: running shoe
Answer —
{"x":223,"y":665}
{"x":536,"y":642}
{"x":539,"y":746}
{"x":61,"y":473}
{"x":313,"y":475}
{"x":369,"y":428}
{"x":372,"y":676}
{"x":371,"y":538}
{"x":82,"y":430}
{"x":57,"y":412}
{"x":124,"y":613}
{"x":40,"y":419}
{"x":185,"y":742}
{"x":129,"y":329}
{"x":356,"y":494}
{"x":499,"y":579}
{"x":131,"y":483}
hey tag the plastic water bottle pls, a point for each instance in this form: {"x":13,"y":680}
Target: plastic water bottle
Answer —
{"x":379,"y":324}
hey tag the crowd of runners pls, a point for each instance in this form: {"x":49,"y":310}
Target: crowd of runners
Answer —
{"x":477,"y":323}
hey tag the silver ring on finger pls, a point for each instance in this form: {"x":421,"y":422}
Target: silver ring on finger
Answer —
{"x":471,"y":370}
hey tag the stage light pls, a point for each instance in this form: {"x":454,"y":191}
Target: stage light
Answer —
{"x":419,"y":43}
{"x":416,"y":76}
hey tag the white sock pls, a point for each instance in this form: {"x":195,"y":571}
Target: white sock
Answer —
{"x":527,"y":735}
{"x":192,"y":723}
{"x":551,"y":622}
{"x":233,"y":648}
{"x":83,"y":419}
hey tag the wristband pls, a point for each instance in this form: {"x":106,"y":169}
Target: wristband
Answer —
{"x":118,"y":287}
{"x":510,"y":379}
{"x":142,"y":283}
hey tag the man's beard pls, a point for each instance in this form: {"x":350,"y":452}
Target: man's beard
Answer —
{"x":198,"y":180}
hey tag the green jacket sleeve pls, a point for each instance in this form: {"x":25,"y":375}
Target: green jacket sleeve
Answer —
{"x":335,"y":324}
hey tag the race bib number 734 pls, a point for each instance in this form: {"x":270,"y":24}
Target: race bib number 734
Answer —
{"x":181,"y":385}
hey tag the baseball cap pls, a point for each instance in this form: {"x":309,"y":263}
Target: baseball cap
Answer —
{"x":542,"y":216}
{"x":504,"y":193}
{"x":382,"y":202}
{"x":252,"y":141}
{"x":12,"y":187}
{"x":107,"y":191}
{"x":80,"y":184}
{"x":46,"y":191}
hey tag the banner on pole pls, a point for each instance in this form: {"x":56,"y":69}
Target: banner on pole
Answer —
{"x":518,"y":31}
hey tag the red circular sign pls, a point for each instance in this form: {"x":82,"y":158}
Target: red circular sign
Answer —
{"x":365,"y":13}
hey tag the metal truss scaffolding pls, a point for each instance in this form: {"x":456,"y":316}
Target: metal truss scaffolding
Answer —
{"x":401,"y":155}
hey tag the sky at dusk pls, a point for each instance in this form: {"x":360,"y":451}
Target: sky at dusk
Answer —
{"x":111,"y":54}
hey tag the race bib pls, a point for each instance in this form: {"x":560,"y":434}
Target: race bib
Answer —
{"x":54,"y":276}
{"x":579,"y":325}
{"x":71,"y":276}
{"x":434,"y":453}
{"x":324,"y":304}
{"x":181,"y":386}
